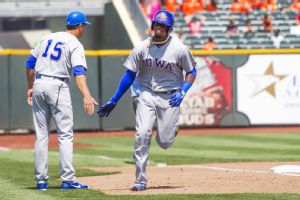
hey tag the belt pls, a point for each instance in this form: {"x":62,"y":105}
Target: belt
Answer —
{"x":39,"y":76}
{"x":168,"y":92}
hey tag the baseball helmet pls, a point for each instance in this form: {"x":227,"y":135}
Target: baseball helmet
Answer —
{"x":75,"y":18}
{"x":163,"y":17}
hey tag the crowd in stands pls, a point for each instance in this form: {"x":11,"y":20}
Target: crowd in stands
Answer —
{"x":192,"y":10}
{"x":295,"y":5}
{"x":246,"y":6}
{"x":187,"y":7}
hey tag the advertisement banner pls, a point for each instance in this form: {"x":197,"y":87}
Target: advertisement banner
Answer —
{"x":268,"y":89}
{"x":210,"y":97}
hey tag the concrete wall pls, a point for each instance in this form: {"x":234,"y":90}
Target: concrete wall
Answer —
{"x":103,"y":78}
{"x":105,"y":32}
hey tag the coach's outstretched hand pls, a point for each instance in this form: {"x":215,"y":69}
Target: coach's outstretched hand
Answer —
{"x":88,"y":105}
{"x":176,"y":98}
{"x":105,"y":109}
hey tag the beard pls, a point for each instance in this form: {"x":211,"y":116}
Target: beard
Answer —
{"x":157,"y":36}
{"x":160,"y":36}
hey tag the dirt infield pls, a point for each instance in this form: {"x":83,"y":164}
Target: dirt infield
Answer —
{"x":200,"y":179}
{"x":251,"y":177}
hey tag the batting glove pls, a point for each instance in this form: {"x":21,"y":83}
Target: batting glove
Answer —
{"x":105,"y":109}
{"x":176,"y":98}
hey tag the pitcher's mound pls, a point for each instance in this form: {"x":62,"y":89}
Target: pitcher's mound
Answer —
{"x":199,"y":179}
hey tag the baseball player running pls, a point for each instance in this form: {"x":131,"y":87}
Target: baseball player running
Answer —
{"x":48,"y":73}
{"x":158,"y":63}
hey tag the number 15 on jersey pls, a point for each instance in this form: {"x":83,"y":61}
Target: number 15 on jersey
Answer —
{"x":57,"y":50}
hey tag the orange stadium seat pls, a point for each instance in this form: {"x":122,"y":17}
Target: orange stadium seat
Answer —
{"x":236,"y":6}
{"x":295,"y":5}
{"x":188,"y":7}
{"x":199,"y":5}
{"x":269,"y":5}
{"x":171,"y":5}
{"x":257,"y":4}
{"x":211,"y":6}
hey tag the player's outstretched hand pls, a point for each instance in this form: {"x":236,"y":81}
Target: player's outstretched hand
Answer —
{"x":176,"y":99}
{"x":105,"y":109}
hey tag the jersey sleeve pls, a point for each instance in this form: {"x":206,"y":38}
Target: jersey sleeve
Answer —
{"x":187,"y":60}
{"x":36,"y":50}
{"x":132,"y":61}
{"x":77,"y":55}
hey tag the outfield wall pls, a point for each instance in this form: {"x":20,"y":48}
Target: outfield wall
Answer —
{"x":232,"y":88}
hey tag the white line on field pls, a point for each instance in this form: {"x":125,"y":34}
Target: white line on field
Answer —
{"x":190,"y":166}
{"x":4,"y":149}
{"x":230,"y":169}
{"x":236,"y":170}
{"x":287,"y":174}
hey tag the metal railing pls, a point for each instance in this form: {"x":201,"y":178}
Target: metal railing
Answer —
{"x":137,"y":16}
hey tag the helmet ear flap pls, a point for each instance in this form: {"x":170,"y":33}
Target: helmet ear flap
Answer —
{"x":152,"y":26}
{"x":170,"y":29}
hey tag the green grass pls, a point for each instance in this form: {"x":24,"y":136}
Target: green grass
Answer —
{"x":17,"y":179}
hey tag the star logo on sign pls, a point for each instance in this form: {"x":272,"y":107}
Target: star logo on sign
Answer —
{"x":267,"y":82}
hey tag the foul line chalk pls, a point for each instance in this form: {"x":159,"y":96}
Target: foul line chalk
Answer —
{"x":235,"y":170}
{"x":4,"y":149}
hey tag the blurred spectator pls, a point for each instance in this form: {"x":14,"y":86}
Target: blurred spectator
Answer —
{"x":171,"y":5}
{"x":179,"y":34}
{"x":247,"y":6}
{"x":269,"y":5}
{"x":143,"y":7}
{"x":211,"y":5}
{"x":295,"y":30}
{"x":249,"y":31}
{"x":199,"y":5}
{"x":298,"y":18}
{"x":196,"y":23}
{"x":210,"y":44}
{"x":232,"y":29}
{"x":277,"y":38}
{"x":179,"y":4}
{"x":153,"y":7}
{"x":295,"y":5}
{"x":240,"y":6}
{"x":267,"y":23}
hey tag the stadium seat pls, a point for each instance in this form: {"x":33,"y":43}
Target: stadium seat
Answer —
{"x":216,"y":22}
